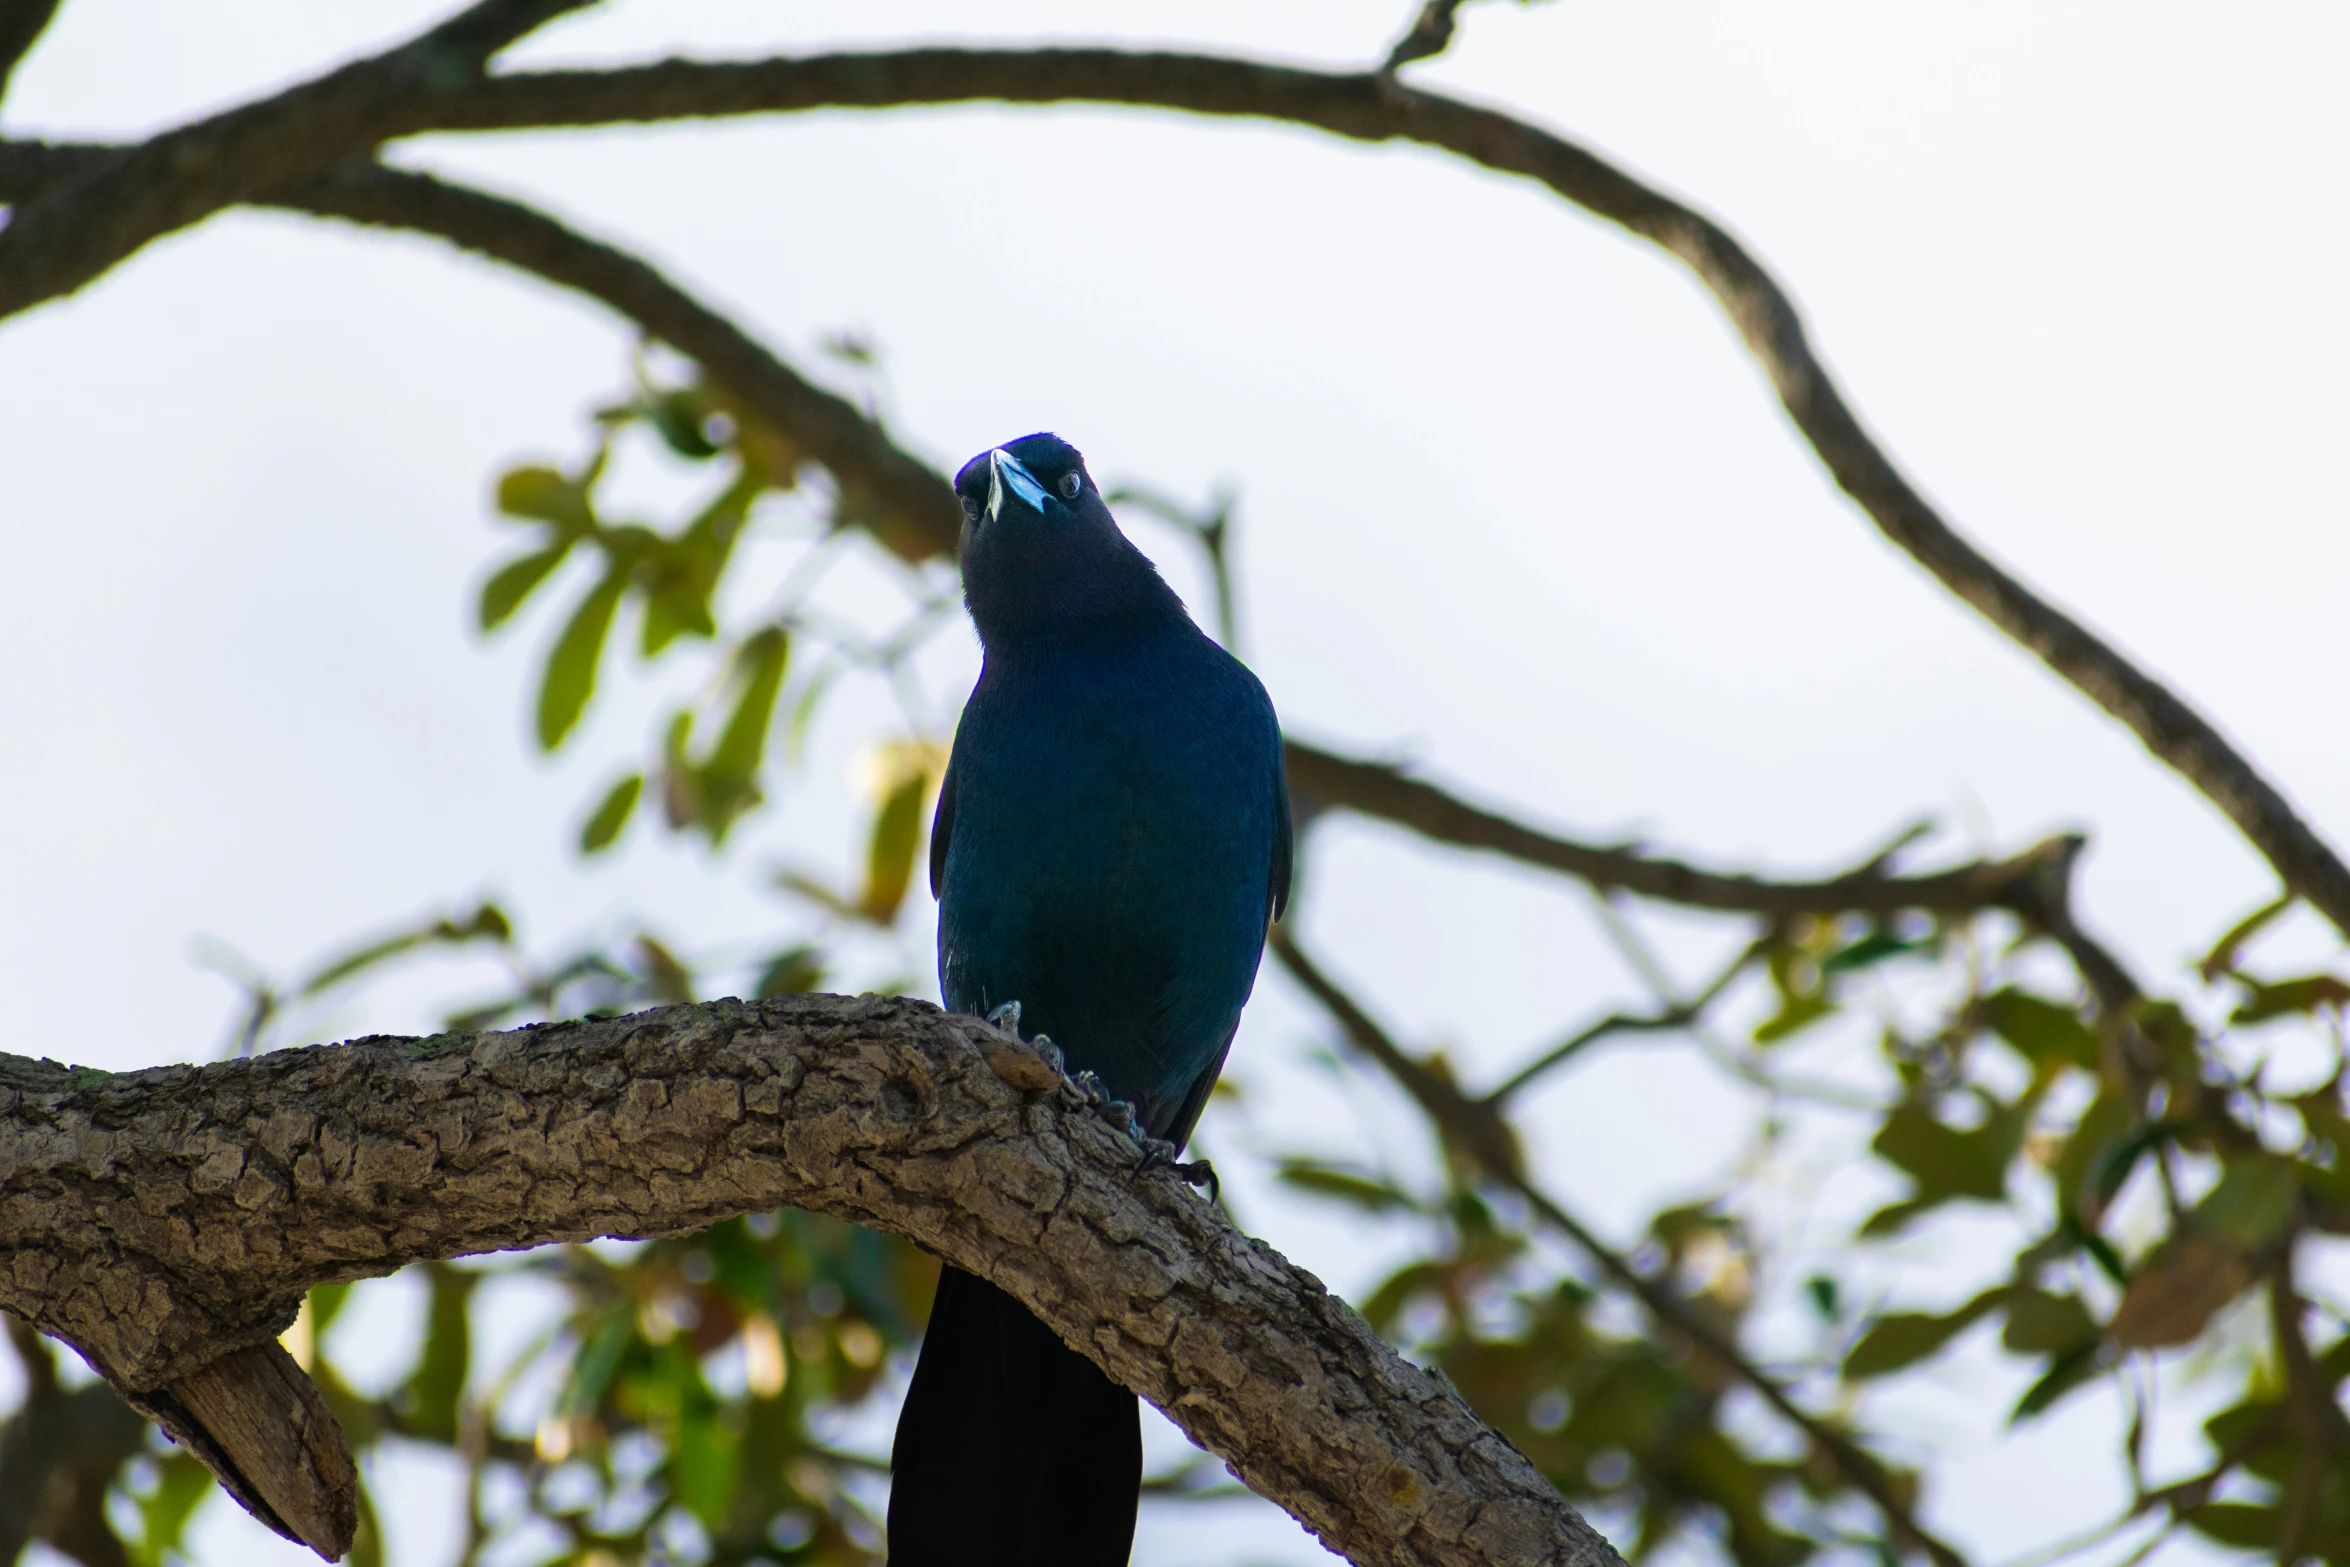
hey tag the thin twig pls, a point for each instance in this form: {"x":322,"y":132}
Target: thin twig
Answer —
{"x":1429,"y":36}
{"x":1677,"y":1015}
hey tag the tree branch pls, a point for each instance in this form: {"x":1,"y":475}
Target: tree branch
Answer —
{"x":79,"y":228}
{"x":1378,"y":789}
{"x":1429,"y":35}
{"x":1365,"y":107}
{"x":897,"y":497}
{"x":162,"y":1220}
{"x":1476,"y":1128}
{"x":1375,"y":107}
{"x":21,"y":24}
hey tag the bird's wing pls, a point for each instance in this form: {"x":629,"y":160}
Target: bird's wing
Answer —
{"x":1195,"y":1098}
{"x":942,"y":826}
{"x":1277,"y":887}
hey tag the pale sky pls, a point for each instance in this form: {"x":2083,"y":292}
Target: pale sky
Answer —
{"x":1513,"y":503}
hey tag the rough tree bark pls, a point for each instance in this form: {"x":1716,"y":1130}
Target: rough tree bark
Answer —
{"x":167,"y":1222}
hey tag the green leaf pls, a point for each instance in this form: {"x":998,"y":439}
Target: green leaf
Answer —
{"x":2111,"y":1171}
{"x":2109,"y":1120}
{"x":2221,"y":959}
{"x":434,"y":1389}
{"x":1945,"y":1161}
{"x":2253,"y":1202}
{"x":1360,"y":1191}
{"x":2065,"y":1372}
{"x":2290,"y":997}
{"x":668,"y":979}
{"x":2043,"y":1032}
{"x":503,"y":594}
{"x":571,"y":666}
{"x":1389,"y":1299}
{"x":1903,"y":1338}
{"x":793,"y":972}
{"x":611,"y":814}
{"x":326,"y":1304}
{"x":548,"y":496}
{"x":889,"y":857}
{"x":2041,"y":1323}
{"x":680,"y":416}
{"x":1795,"y":1012}
{"x":181,"y":1485}
{"x":2241,"y":1524}
{"x":1871,"y":949}
{"x":759,"y":666}
{"x":597,"y":1362}
{"x":706,"y":1466}
{"x":680,"y":574}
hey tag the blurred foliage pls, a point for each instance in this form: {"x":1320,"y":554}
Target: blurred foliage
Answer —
{"x":2171,"y":1170}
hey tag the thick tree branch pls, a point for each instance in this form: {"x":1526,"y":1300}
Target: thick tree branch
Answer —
{"x":163,"y":1220}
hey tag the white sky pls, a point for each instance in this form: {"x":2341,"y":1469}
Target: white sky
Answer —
{"x":1513,"y":502}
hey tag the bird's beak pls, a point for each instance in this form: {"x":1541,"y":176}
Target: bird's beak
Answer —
{"x":1005,"y":471}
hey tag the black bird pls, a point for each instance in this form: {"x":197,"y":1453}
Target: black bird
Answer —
{"x":1112,"y":841}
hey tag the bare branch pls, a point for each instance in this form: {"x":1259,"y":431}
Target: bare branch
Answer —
{"x":79,"y":228}
{"x":1377,"y":108}
{"x":162,"y":1220}
{"x":1363,"y":107}
{"x":21,"y":24}
{"x":1429,"y":36}
{"x":1378,"y":789}
{"x":898,"y":498}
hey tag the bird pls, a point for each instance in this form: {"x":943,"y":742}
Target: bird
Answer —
{"x":1111,"y":845}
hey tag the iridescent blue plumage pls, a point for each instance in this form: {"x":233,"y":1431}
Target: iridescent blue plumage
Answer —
{"x":1112,"y":839}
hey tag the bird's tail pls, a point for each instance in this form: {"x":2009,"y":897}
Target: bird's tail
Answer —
{"x":1013,"y":1450}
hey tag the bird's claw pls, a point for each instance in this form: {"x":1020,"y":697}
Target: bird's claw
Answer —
{"x":1157,"y":1155}
{"x":1119,"y":1116}
{"x":1043,"y":1045}
{"x":1007,"y":1018}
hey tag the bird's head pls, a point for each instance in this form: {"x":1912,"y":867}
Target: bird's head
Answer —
{"x":1043,"y":559}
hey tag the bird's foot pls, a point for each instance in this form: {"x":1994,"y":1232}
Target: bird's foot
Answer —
{"x":1007,"y":1018}
{"x":1117,"y":1114}
{"x":1159,"y":1154}
{"x":1202,"y":1174}
{"x":1043,"y":1045}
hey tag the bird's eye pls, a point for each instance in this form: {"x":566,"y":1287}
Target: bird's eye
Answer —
{"x":1071,"y":483}
{"x":970,"y":508}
